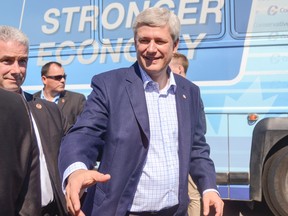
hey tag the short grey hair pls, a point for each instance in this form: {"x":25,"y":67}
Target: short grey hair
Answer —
{"x":158,"y":17}
{"x":9,"y":33}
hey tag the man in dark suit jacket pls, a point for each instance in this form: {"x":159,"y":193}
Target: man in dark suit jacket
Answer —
{"x":19,"y":167}
{"x":50,"y":125}
{"x":54,"y":80}
{"x":46,"y":118}
{"x":133,"y":115}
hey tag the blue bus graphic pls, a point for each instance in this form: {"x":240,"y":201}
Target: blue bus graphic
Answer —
{"x":238,"y":56}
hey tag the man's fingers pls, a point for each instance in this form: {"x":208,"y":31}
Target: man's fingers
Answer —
{"x":72,"y":200}
{"x":212,"y":199}
{"x":219,"y":206}
{"x":206,"y":206}
{"x":77,"y":182}
{"x":93,"y":177}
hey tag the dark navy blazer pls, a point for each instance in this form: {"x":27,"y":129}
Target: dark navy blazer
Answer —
{"x":115,"y":122}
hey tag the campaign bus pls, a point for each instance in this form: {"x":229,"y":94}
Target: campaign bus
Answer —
{"x":238,"y":56}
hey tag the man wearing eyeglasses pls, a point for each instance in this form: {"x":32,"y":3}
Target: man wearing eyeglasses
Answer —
{"x":70,"y":103}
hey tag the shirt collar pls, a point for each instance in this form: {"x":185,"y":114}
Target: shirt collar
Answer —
{"x":55,"y":99}
{"x":22,"y":93}
{"x":147,"y":79}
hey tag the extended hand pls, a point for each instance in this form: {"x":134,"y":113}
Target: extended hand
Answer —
{"x":211,"y":198}
{"x":77,"y":182}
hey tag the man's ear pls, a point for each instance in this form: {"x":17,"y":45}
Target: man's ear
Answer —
{"x":175,"y":46}
{"x":43,"y":78}
{"x":181,"y":68}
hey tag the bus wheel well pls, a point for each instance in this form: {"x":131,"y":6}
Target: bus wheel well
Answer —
{"x":274,"y":181}
{"x":279,"y":145}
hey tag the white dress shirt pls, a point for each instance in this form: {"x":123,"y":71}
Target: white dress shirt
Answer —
{"x":46,"y":186}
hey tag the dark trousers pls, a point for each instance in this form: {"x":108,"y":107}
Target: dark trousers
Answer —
{"x":170,"y":211}
{"x":50,"y":210}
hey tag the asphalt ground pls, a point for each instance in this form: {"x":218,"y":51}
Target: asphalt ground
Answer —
{"x":239,"y":208}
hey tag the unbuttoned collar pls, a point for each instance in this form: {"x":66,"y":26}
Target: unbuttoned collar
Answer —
{"x":147,"y":80}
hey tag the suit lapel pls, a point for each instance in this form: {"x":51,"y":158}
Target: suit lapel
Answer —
{"x":136,"y":95}
{"x":62,"y":100}
{"x":28,"y":96}
{"x":50,"y":136}
{"x":184,"y":114}
{"x":183,"y":105}
{"x":39,"y":113}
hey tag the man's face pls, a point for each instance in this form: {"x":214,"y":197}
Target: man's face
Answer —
{"x":155,"y":49}
{"x":13,"y":65}
{"x":54,"y":84}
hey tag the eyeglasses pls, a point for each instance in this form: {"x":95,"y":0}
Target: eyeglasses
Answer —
{"x":58,"y":77}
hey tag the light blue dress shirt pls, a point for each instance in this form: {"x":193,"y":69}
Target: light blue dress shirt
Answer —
{"x":55,"y":99}
{"x":159,"y":182}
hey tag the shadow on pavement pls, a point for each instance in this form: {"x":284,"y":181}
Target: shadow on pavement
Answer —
{"x":239,"y":208}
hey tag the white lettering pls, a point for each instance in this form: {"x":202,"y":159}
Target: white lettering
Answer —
{"x":128,"y":51}
{"x":118,"y":19}
{"x":162,"y":3}
{"x":65,"y":59}
{"x":93,"y":56}
{"x":192,"y":45}
{"x":84,"y":18}
{"x":184,"y":10}
{"x":108,"y":48}
{"x":114,"y":16}
{"x":52,"y":21}
{"x":44,"y":53}
{"x":216,"y":10}
{"x":70,"y":13}
{"x":133,"y":12}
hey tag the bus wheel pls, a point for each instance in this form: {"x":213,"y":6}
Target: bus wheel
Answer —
{"x":275,"y":182}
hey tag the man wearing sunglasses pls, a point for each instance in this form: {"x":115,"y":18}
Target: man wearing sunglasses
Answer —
{"x":70,"y":103}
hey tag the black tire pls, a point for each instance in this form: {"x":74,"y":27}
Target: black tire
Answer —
{"x":275,"y":182}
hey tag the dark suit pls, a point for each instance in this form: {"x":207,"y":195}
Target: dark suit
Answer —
{"x":50,"y":126}
{"x":115,"y":117}
{"x":70,"y":103}
{"x":19,"y":166}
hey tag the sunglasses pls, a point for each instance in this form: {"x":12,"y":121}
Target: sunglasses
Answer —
{"x":58,"y":77}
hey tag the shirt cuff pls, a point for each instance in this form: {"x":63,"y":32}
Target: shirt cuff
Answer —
{"x":210,"y":190}
{"x":72,"y":168}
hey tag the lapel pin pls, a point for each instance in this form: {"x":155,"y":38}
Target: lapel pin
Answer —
{"x":38,"y":106}
{"x":184,"y":96}
{"x":63,"y":100}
